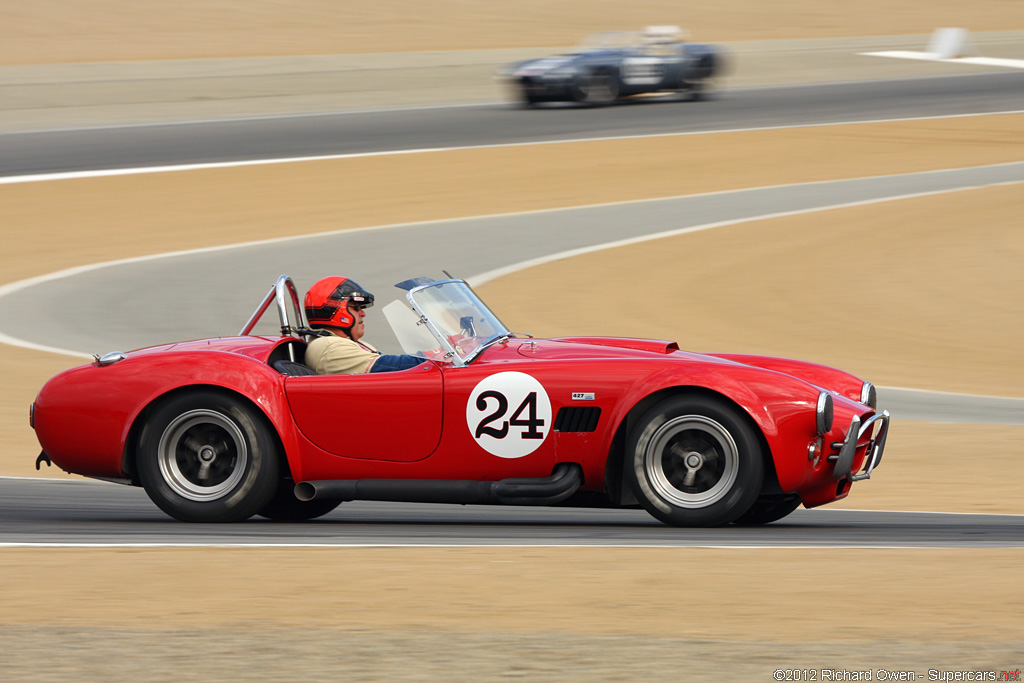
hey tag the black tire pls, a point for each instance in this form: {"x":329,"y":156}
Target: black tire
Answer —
{"x":699,"y":91}
{"x":526,"y":98}
{"x":768,"y":509}
{"x":694,"y":461}
{"x":208,"y":457}
{"x":285,"y":507}
{"x":597,"y":88}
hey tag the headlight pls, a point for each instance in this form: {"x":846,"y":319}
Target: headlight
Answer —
{"x":825,"y":413}
{"x":869,"y":395}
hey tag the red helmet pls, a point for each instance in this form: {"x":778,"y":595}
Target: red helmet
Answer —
{"x":327,"y":302}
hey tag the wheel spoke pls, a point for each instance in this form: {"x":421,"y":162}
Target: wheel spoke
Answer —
{"x":191,"y":443}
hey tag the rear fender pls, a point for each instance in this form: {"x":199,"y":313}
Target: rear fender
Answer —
{"x":251,"y":380}
{"x":276,"y":414}
{"x":87,"y":416}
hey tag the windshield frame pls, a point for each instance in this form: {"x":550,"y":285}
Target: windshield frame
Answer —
{"x":438,"y":333}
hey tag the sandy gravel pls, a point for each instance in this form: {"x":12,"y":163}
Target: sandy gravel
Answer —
{"x":610,"y":590}
{"x":51,"y":31}
{"x":546,"y":614}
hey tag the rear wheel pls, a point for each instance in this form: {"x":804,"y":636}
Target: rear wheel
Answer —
{"x":208,"y":457}
{"x":695,"y":462}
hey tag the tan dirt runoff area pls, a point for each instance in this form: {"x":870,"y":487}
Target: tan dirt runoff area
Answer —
{"x":611,"y":613}
{"x":56,"y":31}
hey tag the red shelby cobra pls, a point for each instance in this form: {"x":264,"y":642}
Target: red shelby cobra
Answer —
{"x":218,"y":430}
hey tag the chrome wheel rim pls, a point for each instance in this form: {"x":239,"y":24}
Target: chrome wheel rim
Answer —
{"x":692,"y":461}
{"x":202,"y":455}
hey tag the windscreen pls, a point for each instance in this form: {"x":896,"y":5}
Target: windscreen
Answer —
{"x":456,"y":311}
{"x":415,"y":339}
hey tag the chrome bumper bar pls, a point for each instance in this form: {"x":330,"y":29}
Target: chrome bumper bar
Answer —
{"x":872,"y":434}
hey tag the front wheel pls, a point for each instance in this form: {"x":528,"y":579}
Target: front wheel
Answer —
{"x":695,"y":462}
{"x":208,"y":457}
{"x":598,"y":88}
{"x":768,"y":509}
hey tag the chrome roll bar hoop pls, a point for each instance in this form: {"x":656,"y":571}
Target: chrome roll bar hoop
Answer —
{"x":283,"y":292}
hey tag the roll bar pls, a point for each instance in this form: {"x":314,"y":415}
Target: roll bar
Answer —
{"x":284,"y":292}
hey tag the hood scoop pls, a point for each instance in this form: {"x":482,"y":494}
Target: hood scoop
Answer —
{"x":650,"y":345}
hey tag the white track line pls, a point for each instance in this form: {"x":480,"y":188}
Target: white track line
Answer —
{"x":506,"y":546}
{"x":932,"y":57}
{"x":108,"y":173}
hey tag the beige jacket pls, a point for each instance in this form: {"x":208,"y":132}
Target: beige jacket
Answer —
{"x":336,"y":355}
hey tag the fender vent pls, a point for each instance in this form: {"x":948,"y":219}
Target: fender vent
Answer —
{"x":577,"y":419}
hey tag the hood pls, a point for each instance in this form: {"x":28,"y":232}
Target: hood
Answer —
{"x":592,"y":348}
{"x":567,"y":63}
{"x":579,"y":348}
{"x":536,"y":67}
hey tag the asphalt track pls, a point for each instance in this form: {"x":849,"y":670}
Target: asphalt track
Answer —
{"x":443,"y":127}
{"x":81,"y":513}
{"x":57,"y":512}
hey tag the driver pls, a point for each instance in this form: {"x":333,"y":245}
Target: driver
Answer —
{"x":335,"y":307}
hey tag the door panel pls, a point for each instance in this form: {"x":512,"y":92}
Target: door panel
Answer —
{"x":390,"y":416}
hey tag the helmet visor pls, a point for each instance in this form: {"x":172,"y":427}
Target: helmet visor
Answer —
{"x":357,"y":297}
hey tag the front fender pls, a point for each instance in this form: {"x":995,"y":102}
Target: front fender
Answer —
{"x":822,"y":376}
{"x":782,"y":407}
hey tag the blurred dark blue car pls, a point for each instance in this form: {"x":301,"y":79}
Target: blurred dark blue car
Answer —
{"x":615,"y":65}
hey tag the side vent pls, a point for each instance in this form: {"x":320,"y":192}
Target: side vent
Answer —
{"x":577,"y":419}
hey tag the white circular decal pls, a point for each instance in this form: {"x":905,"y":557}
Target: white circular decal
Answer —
{"x":509,"y":414}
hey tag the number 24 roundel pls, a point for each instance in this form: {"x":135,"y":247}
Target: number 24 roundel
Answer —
{"x":509,"y":414}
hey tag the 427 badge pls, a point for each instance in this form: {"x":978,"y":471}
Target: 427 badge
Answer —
{"x":509,"y":414}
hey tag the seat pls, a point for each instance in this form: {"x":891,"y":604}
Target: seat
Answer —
{"x":293,"y":368}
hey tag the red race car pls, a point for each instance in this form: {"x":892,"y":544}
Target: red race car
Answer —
{"x":218,"y":430}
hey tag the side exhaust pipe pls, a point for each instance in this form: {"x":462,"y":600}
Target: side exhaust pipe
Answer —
{"x":564,"y":481}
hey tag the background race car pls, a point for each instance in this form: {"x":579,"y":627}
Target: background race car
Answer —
{"x":617,"y":64}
